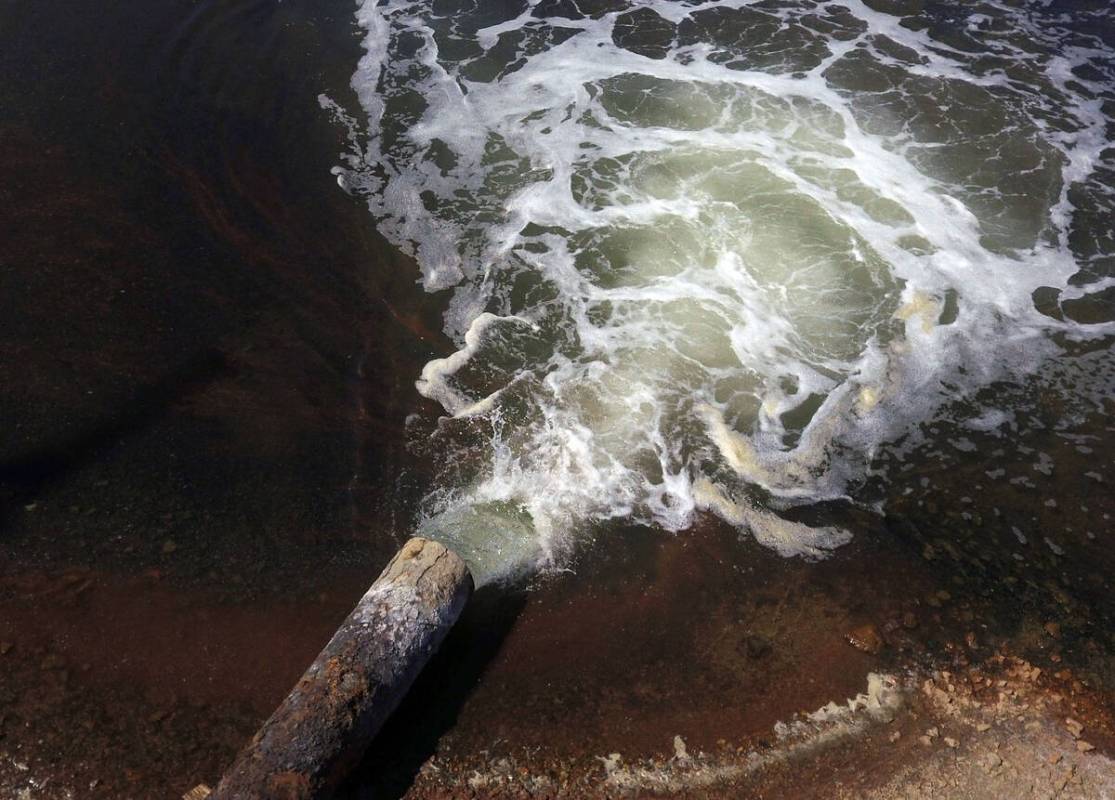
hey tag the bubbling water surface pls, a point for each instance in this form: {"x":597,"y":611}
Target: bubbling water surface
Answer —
{"x":713,"y":255}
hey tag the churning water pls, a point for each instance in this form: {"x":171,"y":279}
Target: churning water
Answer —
{"x":714,"y":255}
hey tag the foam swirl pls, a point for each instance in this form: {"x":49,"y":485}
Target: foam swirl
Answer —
{"x":715,"y":254}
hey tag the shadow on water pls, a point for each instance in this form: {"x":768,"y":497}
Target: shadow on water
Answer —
{"x":24,"y":476}
{"x":434,"y":703}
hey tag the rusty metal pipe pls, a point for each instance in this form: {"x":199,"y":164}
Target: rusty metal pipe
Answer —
{"x":323,"y":726}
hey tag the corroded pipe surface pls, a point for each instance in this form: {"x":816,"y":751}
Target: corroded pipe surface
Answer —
{"x":324,"y":725}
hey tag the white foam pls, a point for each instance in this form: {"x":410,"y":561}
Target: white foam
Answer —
{"x":729,"y":267}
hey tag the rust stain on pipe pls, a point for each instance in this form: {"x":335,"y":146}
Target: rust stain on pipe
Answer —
{"x":324,"y":725}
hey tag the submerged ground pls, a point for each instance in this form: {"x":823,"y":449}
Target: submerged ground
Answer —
{"x":208,"y":357}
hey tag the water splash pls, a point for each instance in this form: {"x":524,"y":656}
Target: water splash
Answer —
{"x":713,"y":255}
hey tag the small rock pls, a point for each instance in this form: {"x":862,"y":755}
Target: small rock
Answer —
{"x":983,"y":727}
{"x":866,"y":638}
{"x":1053,"y":629}
{"x":5,"y":648}
{"x":992,"y":761}
{"x":611,"y":763}
{"x":680,"y":753}
{"x":909,"y":620}
{"x":1063,"y":781}
{"x":933,"y":733}
{"x":756,"y":646}
{"x":169,"y":546}
{"x":950,"y":742}
{"x":925,"y":740}
{"x":895,"y":736}
{"x":1074,"y":727}
{"x":1084,"y":746}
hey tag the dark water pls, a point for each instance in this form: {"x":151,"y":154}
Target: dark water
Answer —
{"x":206,"y":356}
{"x":209,"y":357}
